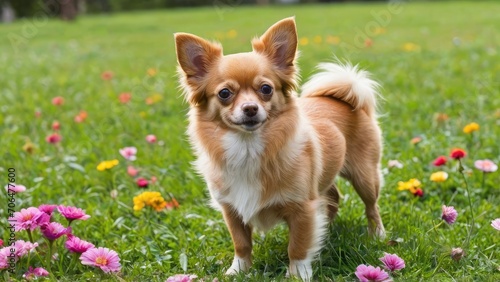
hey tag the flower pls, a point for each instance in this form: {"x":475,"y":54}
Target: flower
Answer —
{"x":77,"y":245}
{"x":416,"y":140}
{"x":125,"y":97}
{"x":1,"y":242}
{"x":107,"y":75}
{"x":457,"y":254}
{"x":152,"y":199}
{"x":394,"y":163}
{"x":418,"y":193}
{"x":129,"y":153}
{"x":368,"y":42}
{"x":4,"y":257}
{"x":132,"y":171}
{"x":33,"y":273}
{"x":486,"y":165}
{"x":392,"y":262}
{"x":142,"y":182}
{"x":48,"y":209}
{"x":411,"y":47}
{"x":27,"y":219}
{"x":449,"y":214}
{"x":334,"y":40}
{"x":439,"y":161}
{"x":441,"y":117}
{"x":72,"y":213}
{"x":471,"y":127}
{"x":15,"y":188}
{"x":151,"y":138}
{"x":439,"y":176}
{"x":104,"y":165}
{"x":54,"y":138}
{"x":457,"y":153}
{"x":104,"y":258}
{"x":412,"y":185}
{"x":53,"y":230}
{"x":23,"y":247}
{"x":152,"y":71}
{"x":172,"y":204}
{"x":58,"y":101}
{"x":496,"y":224}
{"x":29,"y":147}
{"x":182,"y":278}
{"x":303,"y":41}
{"x":368,"y":273}
{"x":81,"y":117}
{"x":56,"y":125}
{"x":153,"y":99}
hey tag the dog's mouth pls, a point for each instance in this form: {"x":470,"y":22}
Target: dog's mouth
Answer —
{"x":250,"y":124}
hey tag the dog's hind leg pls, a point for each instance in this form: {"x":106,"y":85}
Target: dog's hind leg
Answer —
{"x":333,"y":197}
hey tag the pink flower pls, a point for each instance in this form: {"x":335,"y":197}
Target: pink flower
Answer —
{"x":33,"y":273}
{"x":107,"y":75}
{"x":449,"y":214}
{"x":132,"y":171}
{"x":104,"y":258}
{"x":48,"y":209}
{"x":142,"y":182}
{"x":15,"y":188}
{"x":53,"y":230}
{"x":23,"y":247}
{"x":125,"y":97}
{"x":496,"y":224}
{"x":181,"y":278}
{"x":1,"y":242}
{"x":58,"y":101}
{"x":392,"y":262}
{"x":5,"y":257}
{"x":368,"y":273}
{"x":151,"y":138}
{"x":27,"y":219}
{"x":129,"y":153}
{"x":457,"y":153}
{"x":457,"y":254}
{"x":394,"y":163}
{"x":56,"y":125}
{"x":72,"y":213}
{"x":77,"y":245}
{"x":439,"y":161}
{"x":53,"y":138}
{"x":486,"y":165}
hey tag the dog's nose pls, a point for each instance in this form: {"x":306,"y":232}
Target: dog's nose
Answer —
{"x":250,"y":109}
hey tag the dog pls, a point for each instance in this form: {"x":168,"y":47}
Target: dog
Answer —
{"x":269,"y":156}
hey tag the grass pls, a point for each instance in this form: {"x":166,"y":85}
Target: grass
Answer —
{"x":430,"y":58}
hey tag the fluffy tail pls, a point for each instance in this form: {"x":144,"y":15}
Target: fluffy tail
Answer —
{"x":344,"y":82}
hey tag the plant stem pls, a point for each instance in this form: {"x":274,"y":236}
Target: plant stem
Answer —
{"x":461,"y":170}
{"x":49,"y":256}
{"x":29,"y":235}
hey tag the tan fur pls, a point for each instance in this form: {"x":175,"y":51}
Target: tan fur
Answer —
{"x":302,"y":143}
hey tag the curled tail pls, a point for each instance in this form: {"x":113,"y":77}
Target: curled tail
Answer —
{"x":344,"y":82}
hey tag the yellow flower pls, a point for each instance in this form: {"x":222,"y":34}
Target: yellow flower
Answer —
{"x":334,"y":40}
{"x":412,"y":185}
{"x":152,"y":199}
{"x":439,"y":176}
{"x":29,"y":147}
{"x":379,"y":30}
{"x":471,"y":127}
{"x":152,"y":71}
{"x":411,"y":47}
{"x":317,"y":39}
{"x":153,"y":99}
{"x":104,"y":165}
{"x":304,"y":41}
{"x":232,"y":33}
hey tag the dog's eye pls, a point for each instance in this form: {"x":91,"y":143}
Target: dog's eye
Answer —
{"x":224,"y":94}
{"x":266,"y":89}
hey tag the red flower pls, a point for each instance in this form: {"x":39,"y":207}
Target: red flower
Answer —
{"x":81,"y":116}
{"x":418,"y":193}
{"x":58,"y":101}
{"x":125,"y":97}
{"x":441,"y":160}
{"x":53,"y":138}
{"x":107,"y":75}
{"x":457,"y":153}
{"x":142,"y":182}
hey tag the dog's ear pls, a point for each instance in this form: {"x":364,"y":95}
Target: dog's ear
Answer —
{"x":195,"y":56}
{"x":279,"y":43}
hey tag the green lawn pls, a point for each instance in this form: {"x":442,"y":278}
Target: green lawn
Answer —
{"x":431,"y":58}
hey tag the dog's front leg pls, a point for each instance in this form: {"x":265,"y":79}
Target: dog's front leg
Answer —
{"x":307,"y":227}
{"x":242,"y":240}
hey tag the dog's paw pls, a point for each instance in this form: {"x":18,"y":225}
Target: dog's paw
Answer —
{"x":239,"y":265}
{"x":301,"y":269}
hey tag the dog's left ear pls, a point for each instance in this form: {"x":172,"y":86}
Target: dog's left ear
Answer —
{"x":279,"y":43}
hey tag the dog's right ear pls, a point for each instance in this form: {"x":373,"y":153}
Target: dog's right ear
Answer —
{"x":195,"y":56}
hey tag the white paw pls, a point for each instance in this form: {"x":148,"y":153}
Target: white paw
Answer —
{"x":301,"y":269}
{"x":239,"y":265}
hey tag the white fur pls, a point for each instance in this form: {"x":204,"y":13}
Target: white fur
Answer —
{"x":301,"y":269}
{"x":238,"y":265}
{"x":363,"y":89}
{"x":241,"y":173}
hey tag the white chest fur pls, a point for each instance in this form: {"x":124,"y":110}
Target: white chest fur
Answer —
{"x":241,"y":173}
